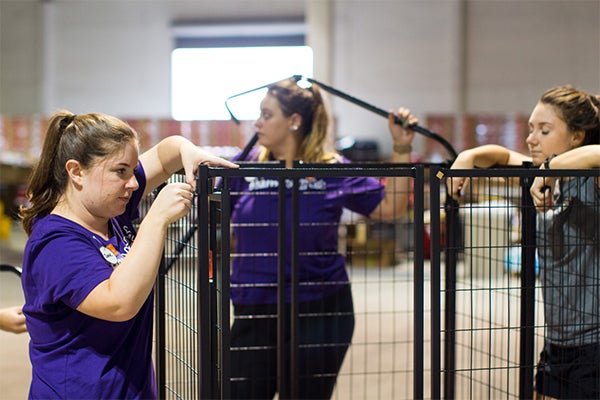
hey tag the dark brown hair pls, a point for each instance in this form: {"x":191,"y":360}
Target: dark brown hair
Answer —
{"x":84,"y":138}
{"x":578,"y":109}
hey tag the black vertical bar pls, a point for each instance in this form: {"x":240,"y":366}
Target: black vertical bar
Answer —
{"x":294,"y":318}
{"x":283,"y":356}
{"x":160,"y":323}
{"x":225,"y":280}
{"x":203,"y":307}
{"x":161,"y":375}
{"x":453,"y":244}
{"x":212,"y":300}
{"x":435,"y":224}
{"x":419,"y":276}
{"x":528,"y":246}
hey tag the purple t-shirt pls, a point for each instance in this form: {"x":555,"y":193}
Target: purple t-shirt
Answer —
{"x":74,"y":355}
{"x":255,"y":224}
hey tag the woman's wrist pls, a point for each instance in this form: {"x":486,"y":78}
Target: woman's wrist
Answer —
{"x":546,"y":162}
{"x":402,"y":148}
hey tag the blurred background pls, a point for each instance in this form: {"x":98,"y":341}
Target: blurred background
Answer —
{"x":471,"y":71}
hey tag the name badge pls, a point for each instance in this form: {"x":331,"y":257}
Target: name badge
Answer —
{"x":108,"y":255}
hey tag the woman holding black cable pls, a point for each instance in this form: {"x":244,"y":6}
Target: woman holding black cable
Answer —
{"x":294,"y":125}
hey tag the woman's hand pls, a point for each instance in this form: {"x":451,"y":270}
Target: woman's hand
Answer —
{"x":192,"y":156}
{"x":542,"y":192}
{"x":457,"y":186}
{"x":172,"y":203}
{"x":402,"y":134}
{"x":12,"y":320}
{"x":173,"y":154}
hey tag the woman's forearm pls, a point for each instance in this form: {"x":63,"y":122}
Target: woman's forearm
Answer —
{"x":579,"y":158}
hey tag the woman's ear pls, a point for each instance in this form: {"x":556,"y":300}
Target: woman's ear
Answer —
{"x":74,"y":170}
{"x":295,"y":122}
{"x":577,"y":138}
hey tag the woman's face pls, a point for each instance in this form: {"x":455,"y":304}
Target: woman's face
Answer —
{"x":273,"y":128}
{"x":548,"y":134}
{"x":107,"y":185}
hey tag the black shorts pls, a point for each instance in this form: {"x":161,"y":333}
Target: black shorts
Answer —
{"x":569,"y":372}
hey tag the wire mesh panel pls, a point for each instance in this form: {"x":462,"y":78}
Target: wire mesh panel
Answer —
{"x":512,"y":278}
{"x":497,"y":294}
{"x":488,"y":302}
{"x":569,"y":251}
{"x":483,"y":292}
{"x":177,"y":358}
{"x":366,"y":319}
{"x":380,"y":361}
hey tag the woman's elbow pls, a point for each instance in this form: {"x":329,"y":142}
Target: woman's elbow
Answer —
{"x":123,"y":314}
{"x":389,"y":212}
{"x":114,"y":311}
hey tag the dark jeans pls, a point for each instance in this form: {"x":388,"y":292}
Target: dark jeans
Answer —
{"x":325,"y":332}
{"x":569,"y":372}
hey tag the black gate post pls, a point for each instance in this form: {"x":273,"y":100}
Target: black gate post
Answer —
{"x":160,"y":364}
{"x":528,"y":245}
{"x":435,"y":177}
{"x":453,"y":246}
{"x":205,"y":357}
{"x":419,"y":285}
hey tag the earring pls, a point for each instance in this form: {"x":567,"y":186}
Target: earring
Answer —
{"x":293,"y":128}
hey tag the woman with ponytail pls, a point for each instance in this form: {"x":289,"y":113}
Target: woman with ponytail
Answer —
{"x":294,"y":125}
{"x":87,"y":274}
{"x":564,"y":133}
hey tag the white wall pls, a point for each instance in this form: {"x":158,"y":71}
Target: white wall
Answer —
{"x":518,"y":49}
{"x":451,"y":56}
{"x":109,"y":56}
{"x":391,"y":54}
{"x":435,"y":56}
{"x":115,"y":59}
{"x":21,"y":61}
{"x":117,"y":53}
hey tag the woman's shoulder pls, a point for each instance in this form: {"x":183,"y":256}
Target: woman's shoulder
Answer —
{"x":58,"y":238}
{"x":53,"y":226}
{"x":252,"y":155}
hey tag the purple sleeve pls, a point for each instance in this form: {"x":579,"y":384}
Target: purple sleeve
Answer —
{"x":363,"y":194}
{"x":69,"y":267}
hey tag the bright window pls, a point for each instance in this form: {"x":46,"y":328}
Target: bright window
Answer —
{"x":203,"y":78}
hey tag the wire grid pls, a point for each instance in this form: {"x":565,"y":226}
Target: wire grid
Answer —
{"x":180,"y":309}
{"x":569,"y":245}
{"x":488,"y":292}
{"x":379,"y":362}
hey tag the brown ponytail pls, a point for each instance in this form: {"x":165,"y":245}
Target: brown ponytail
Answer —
{"x":85,"y":138}
{"x":316,"y":144}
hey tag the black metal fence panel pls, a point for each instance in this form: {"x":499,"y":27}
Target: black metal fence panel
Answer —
{"x":447,"y":299}
{"x":493,"y":284}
